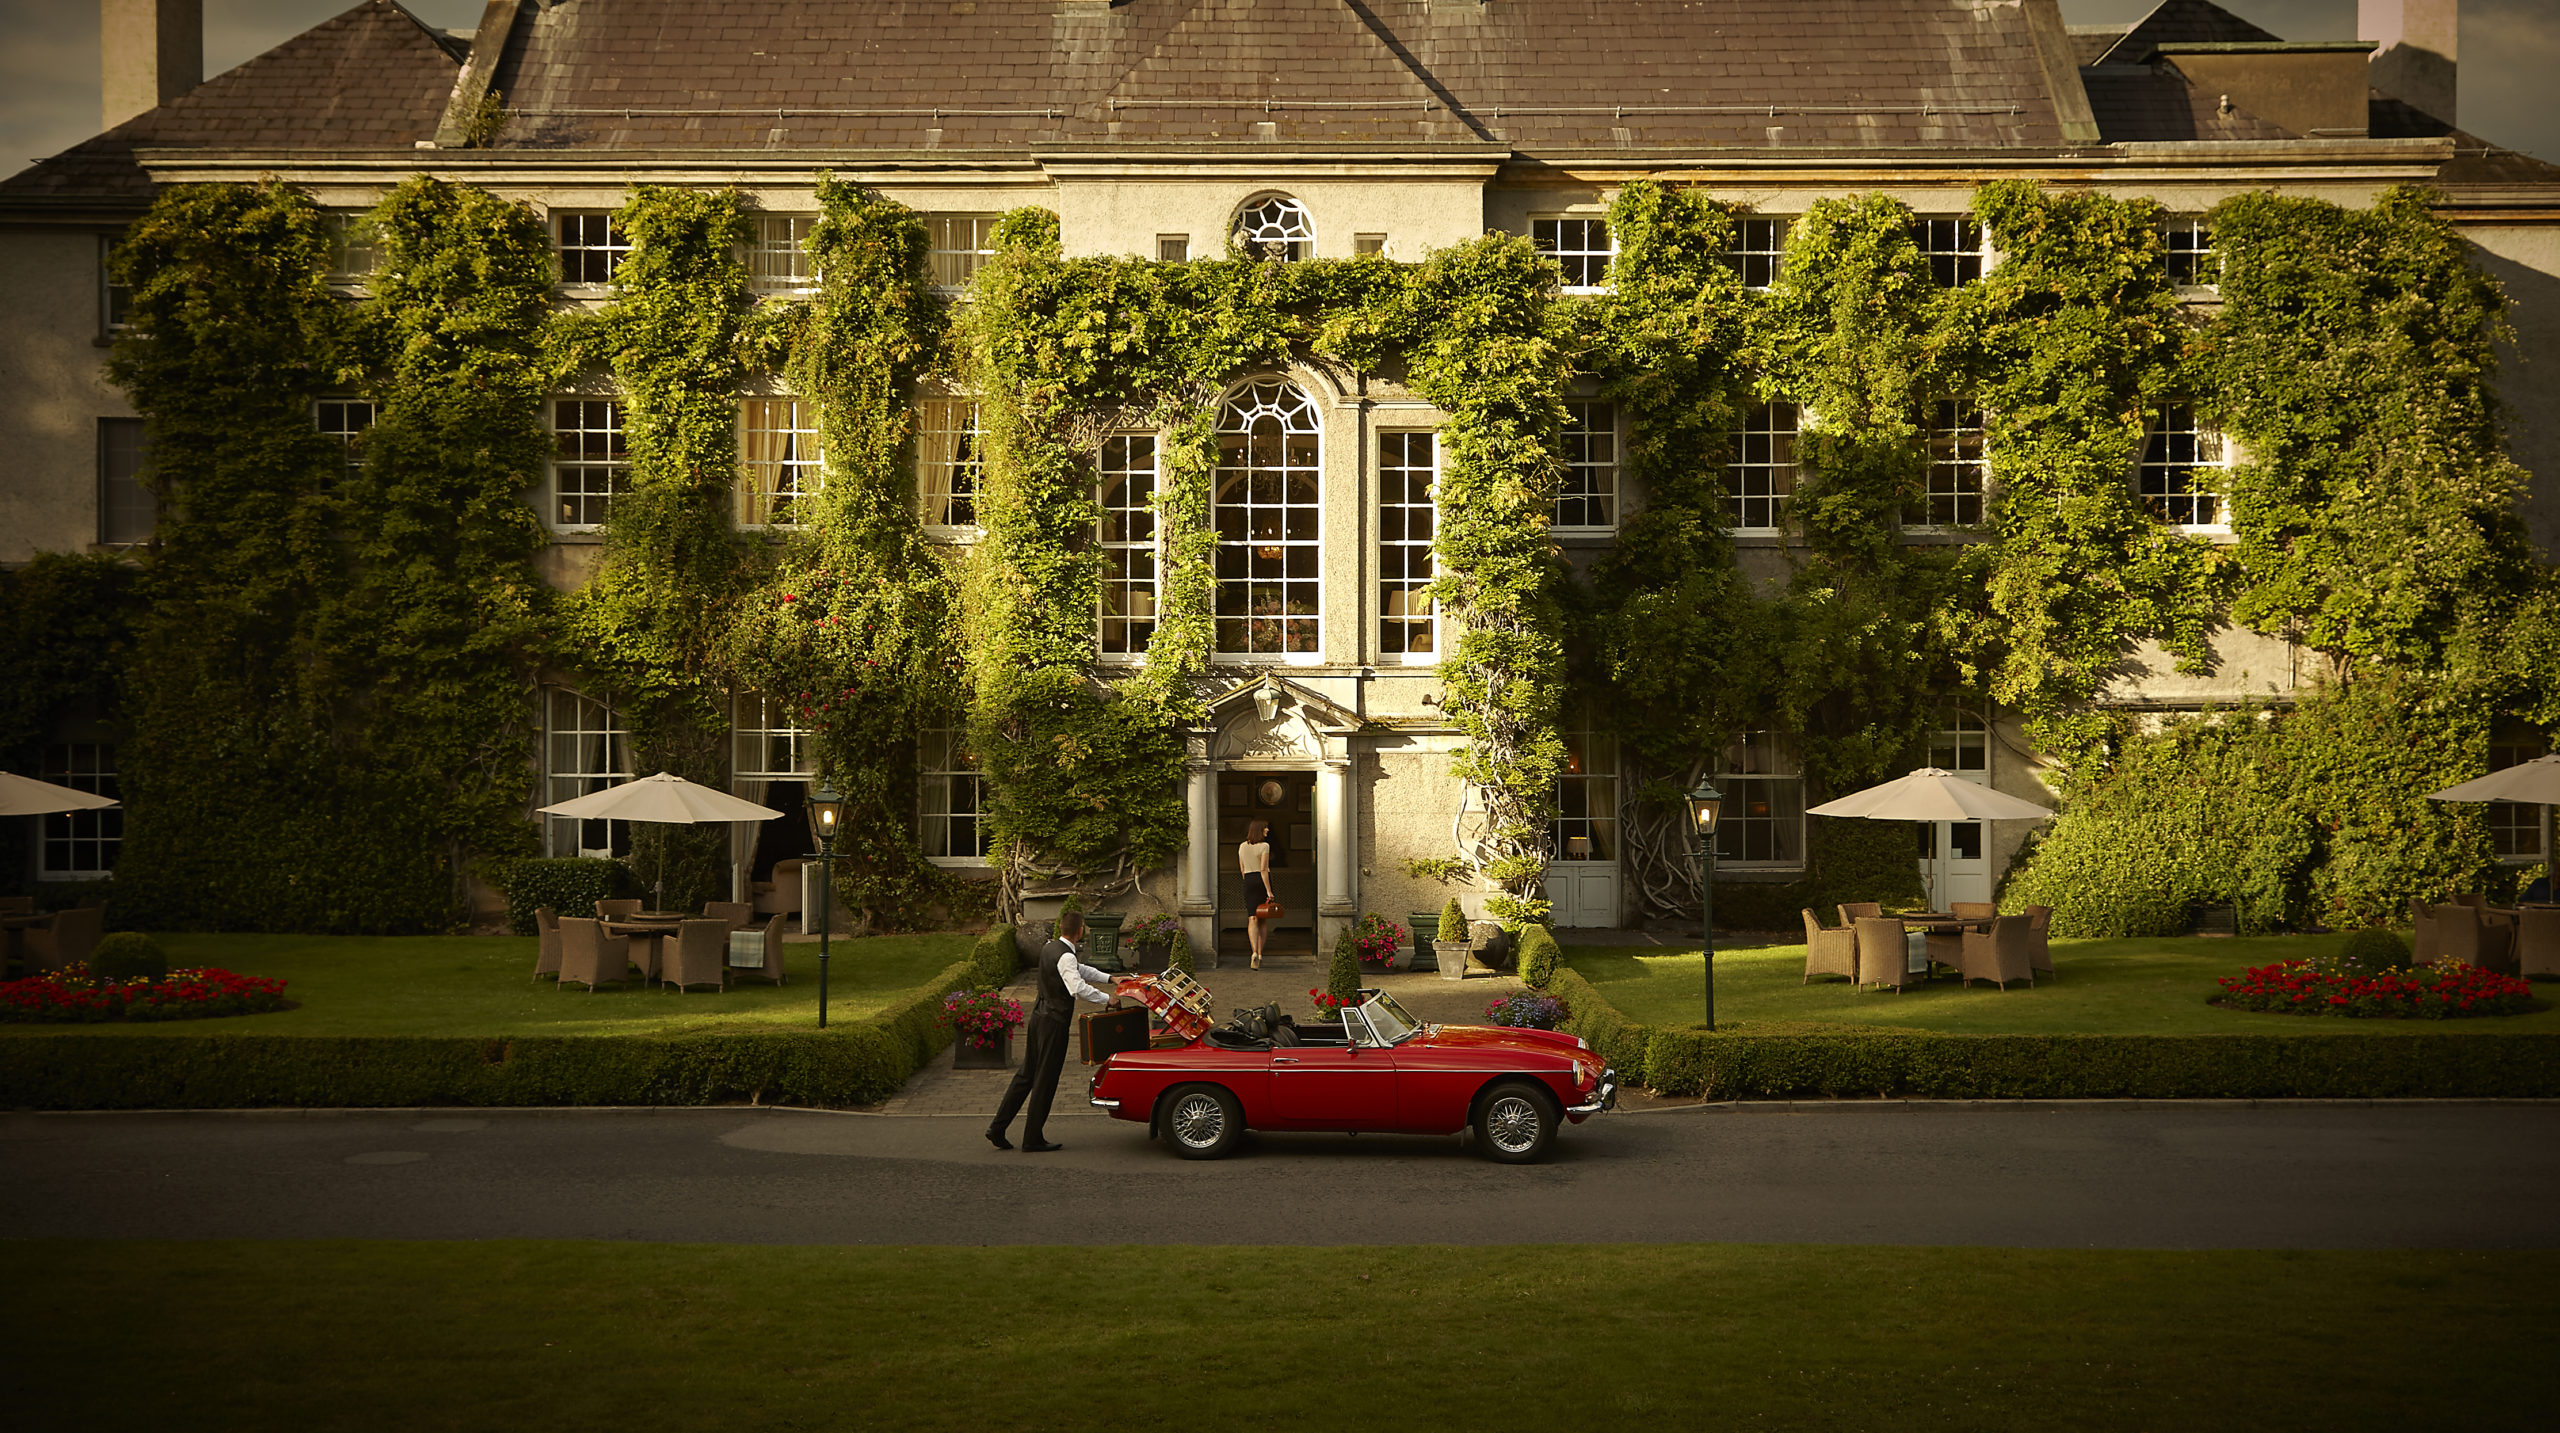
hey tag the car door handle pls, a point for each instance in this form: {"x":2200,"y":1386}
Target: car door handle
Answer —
{"x":1284,"y":1059}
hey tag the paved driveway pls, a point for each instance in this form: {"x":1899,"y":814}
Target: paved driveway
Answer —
{"x":2101,"y":1175}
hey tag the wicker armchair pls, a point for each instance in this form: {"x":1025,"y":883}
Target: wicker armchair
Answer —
{"x":1973,"y":910}
{"x":2039,"y":947}
{"x":2002,"y":953}
{"x":737,"y":915}
{"x":616,"y":910}
{"x":68,"y":941}
{"x":546,"y":924}
{"x":2466,"y":935}
{"x":701,"y":956}
{"x":2538,"y":941}
{"x":589,"y":957}
{"x":1884,"y":952}
{"x":2426,"y":938}
{"x":1829,"y":951}
{"x":771,"y":936}
{"x":1852,"y":912}
{"x":781,"y":894}
{"x":17,"y":905}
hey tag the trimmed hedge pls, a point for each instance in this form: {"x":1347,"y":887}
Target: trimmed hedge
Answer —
{"x":1539,"y":956}
{"x":857,"y":1064}
{"x":570,"y":885}
{"x":1687,"y":1061}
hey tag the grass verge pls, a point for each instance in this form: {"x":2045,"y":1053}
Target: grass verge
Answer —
{"x":395,"y":1336}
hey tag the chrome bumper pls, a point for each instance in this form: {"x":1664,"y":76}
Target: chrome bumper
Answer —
{"x":1098,"y":1102}
{"x":1605,"y":1097}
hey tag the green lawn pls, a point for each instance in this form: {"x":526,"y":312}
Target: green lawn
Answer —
{"x":481,"y":985}
{"x":2113,"y":987}
{"x":395,"y":1336}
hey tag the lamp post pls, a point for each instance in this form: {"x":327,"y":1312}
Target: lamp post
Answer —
{"x":1706,"y":804}
{"x":826,"y":816}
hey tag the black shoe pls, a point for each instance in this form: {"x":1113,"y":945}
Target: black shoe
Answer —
{"x":996,"y":1137}
{"x":1039,"y":1146}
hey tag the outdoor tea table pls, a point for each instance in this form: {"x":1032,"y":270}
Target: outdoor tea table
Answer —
{"x":1944,"y":931}
{"x":17,"y":925}
{"x":649,"y":932}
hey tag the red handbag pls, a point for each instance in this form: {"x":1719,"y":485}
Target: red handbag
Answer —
{"x":1269,"y":910}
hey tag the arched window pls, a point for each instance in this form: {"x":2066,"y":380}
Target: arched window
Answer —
{"x":1276,"y":227}
{"x":1269,"y":591}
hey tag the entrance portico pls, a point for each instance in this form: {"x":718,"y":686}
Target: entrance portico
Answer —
{"x":1279,"y":750}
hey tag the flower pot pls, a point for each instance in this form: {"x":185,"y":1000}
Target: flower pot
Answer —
{"x":1453,"y":958}
{"x":1423,"y":924}
{"x":968,"y":1055}
{"x":1102,"y":939}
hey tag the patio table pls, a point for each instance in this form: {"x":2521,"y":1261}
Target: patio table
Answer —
{"x":16,"y":925}
{"x":649,"y":932}
{"x":1941,"y":929}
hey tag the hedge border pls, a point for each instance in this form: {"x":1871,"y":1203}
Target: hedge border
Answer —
{"x":861,"y":1063}
{"x":1678,"y":1061}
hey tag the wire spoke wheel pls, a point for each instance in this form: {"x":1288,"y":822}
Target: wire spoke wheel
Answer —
{"x":1205,"y":1121}
{"x":1516,"y":1123}
{"x":1513,"y":1122}
{"x":1197,"y":1120}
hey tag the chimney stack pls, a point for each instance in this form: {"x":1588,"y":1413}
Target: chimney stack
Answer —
{"x":151,"y":52}
{"x":2415,"y":49}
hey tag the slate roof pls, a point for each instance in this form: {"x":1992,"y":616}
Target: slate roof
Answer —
{"x":2181,"y":22}
{"x":372,"y":78}
{"x":659,"y":74}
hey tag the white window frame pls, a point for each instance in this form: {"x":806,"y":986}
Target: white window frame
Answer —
{"x":942,"y":764}
{"x":1742,"y":466}
{"x":2515,"y":827}
{"x":771,"y":489}
{"x":1283,"y":401}
{"x":115,"y":301}
{"x":2187,"y":242}
{"x":122,"y":495}
{"x":1570,"y":240}
{"x":762,"y":728}
{"x":599,"y":750}
{"x":353,"y":252}
{"x":338,"y":417}
{"x":1587,"y":750}
{"x":1275,"y":226}
{"x":83,"y":766}
{"x":1953,"y":243}
{"x":778,"y":261}
{"x":1591,"y":455}
{"x":1127,"y":534}
{"x":1400,"y":584}
{"x":615,"y":245}
{"x":1173,"y":248}
{"x":1966,"y":745}
{"x":1763,"y":764}
{"x":616,"y":469}
{"x":2159,"y":465}
{"x":1758,"y":250}
{"x":1956,"y":448}
{"x":947,"y":482}
{"x":957,"y":246}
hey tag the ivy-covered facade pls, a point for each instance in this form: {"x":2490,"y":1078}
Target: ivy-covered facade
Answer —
{"x":1097,"y":468}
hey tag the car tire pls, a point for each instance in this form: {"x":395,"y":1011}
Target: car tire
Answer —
{"x":1202,"y":1121}
{"x":1516,"y":1123}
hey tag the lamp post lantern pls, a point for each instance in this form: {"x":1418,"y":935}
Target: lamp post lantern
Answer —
{"x":1706,"y":806}
{"x":826,"y":817}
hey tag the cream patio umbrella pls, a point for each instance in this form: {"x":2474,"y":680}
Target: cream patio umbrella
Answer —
{"x":1932,"y":794}
{"x":25,"y":796}
{"x":2533,"y":783}
{"x":666,"y":800}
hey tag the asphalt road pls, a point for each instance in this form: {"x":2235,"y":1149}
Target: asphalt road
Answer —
{"x":2121,"y":1176}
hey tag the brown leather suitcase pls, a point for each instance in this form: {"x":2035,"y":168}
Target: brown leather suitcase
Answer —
{"x":1105,"y":1033}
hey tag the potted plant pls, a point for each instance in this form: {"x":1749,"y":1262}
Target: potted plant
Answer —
{"x":1329,"y":1006}
{"x":982,"y":1024}
{"x":1149,"y":939}
{"x":1527,"y":1010}
{"x":1378,"y":940}
{"x":1452,"y":945}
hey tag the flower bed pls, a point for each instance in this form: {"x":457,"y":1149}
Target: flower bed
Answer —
{"x":74,"y":995}
{"x":1526,"y":1010}
{"x":981,"y":1017}
{"x":2303,"y":987}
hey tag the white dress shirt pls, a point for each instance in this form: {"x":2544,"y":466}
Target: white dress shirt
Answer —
{"x":1083,"y":981}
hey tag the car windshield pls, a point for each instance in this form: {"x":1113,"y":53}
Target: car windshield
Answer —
{"x":1392,"y":1022}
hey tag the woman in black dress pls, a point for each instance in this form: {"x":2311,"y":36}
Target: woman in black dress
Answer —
{"x":1253,"y":857}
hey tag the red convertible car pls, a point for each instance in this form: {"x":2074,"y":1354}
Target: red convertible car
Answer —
{"x":1380,"y":1070}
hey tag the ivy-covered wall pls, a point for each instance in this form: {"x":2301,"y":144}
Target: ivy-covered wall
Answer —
{"x":330,"y":704}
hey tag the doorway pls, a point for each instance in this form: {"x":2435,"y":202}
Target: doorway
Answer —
{"x":1955,"y":862}
{"x":1286,"y":799}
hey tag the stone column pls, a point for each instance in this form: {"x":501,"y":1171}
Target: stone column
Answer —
{"x":1334,"y":905}
{"x":1200,"y":864}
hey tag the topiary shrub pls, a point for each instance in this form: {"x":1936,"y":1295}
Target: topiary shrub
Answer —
{"x":570,"y":885}
{"x":1453,"y":922}
{"x":128,"y":955}
{"x":2372,"y":951}
{"x":1180,"y":959}
{"x":1343,"y":980}
{"x":1538,"y":956}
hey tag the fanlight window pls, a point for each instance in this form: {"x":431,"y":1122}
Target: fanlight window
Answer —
{"x":1276,"y":227}
{"x":1269,"y":590}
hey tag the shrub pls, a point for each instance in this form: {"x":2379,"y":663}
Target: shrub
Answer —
{"x":2298,"y":987}
{"x":1453,"y":922}
{"x":2372,"y":951}
{"x":996,"y":958}
{"x":570,"y":885}
{"x":1180,"y":959}
{"x":128,"y":955}
{"x":1539,"y":956}
{"x":1343,"y":979}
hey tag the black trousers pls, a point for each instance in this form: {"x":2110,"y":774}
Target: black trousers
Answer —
{"x":1044,"y":1054}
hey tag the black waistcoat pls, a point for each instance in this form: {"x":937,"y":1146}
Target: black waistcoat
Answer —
{"x":1054,"y":1002}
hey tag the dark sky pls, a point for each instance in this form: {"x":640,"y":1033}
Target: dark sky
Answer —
{"x":49,"y":59}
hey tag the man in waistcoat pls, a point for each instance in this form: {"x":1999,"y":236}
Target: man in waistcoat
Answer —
{"x":1064,"y":980}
